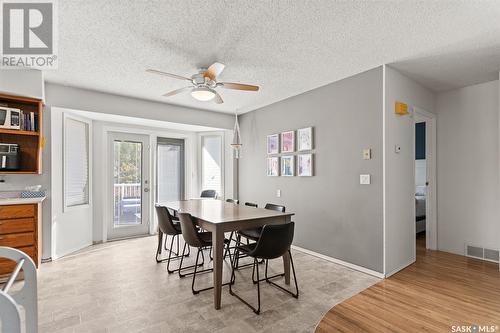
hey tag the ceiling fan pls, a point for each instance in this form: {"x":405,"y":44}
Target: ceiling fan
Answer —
{"x":204,"y":83}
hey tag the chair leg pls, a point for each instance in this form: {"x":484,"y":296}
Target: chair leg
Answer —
{"x":296,"y":294}
{"x":160,"y":243}
{"x":229,"y":247}
{"x":203,"y":271}
{"x":233,"y":278}
{"x":170,"y":250}
{"x":180,"y":269}
{"x":266,"y":278}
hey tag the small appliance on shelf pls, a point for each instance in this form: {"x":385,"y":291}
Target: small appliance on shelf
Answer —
{"x":9,"y":157}
{"x":10,"y":118}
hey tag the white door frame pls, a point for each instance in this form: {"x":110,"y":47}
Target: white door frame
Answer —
{"x":430,"y":152}
{"x":144,"y":228}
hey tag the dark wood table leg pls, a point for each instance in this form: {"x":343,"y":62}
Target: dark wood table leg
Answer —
{"x":218,"y":247}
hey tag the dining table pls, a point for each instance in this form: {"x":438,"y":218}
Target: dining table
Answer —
{"x":220,"y":217}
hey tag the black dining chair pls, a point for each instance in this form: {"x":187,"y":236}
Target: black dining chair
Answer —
{"x":169,"y":226}
{"x":199,"y":239}
{"x":208,"y":194}
{"x":254,"y":233}
{"x":274,"y":242}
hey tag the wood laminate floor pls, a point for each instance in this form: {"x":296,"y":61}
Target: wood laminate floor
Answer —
{"x":440,"y":292}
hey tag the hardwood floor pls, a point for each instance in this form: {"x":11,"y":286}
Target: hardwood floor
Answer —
{"x":439,"y":292}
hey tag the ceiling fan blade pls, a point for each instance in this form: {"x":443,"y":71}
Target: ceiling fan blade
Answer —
{"x":177,"y":91}
{"x":238,"y":86}
{"x":217,"y":98}
{"x":154,"y":71}
{"x":214,"y":70}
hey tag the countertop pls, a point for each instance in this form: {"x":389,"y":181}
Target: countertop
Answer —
{"x":20,"y":201}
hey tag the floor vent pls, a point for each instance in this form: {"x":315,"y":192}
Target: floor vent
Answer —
{"x":482,"y":253}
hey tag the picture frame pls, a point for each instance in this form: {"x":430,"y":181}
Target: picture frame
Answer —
{"x":288,"y":142}
{"x":288,"y":166}
{"x":305,"y":139}
{"x":273,"y":166}
{"x":305,"y":165}
{"x":273,"y":144}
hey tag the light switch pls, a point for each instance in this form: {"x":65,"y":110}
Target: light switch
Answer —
{"x":367,"y":154}
{"x":278,"y":193}
{"x":364,"y":179}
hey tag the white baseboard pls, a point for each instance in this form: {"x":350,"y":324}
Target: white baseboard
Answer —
{"x":400,"y":268}
{"x":340,"y":262}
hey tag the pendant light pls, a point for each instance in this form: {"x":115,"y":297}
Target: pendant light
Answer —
{"x":236,"y":144}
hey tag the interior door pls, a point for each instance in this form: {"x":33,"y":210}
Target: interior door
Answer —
{"x":170,"y":170}
{"x":129,"y":185}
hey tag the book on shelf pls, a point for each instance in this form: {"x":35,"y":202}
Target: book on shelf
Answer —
{"x":29,"y":121}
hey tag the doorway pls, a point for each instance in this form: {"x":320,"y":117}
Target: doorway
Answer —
{"x":425,"y":180}
{"x":129,"y":185}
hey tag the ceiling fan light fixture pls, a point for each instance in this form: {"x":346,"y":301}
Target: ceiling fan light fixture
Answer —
{"x":203,"y":94}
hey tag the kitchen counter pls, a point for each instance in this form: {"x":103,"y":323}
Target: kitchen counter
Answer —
{"x":20,"y":201}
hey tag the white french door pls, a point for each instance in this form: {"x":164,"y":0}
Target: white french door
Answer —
{"x":129,"y":185}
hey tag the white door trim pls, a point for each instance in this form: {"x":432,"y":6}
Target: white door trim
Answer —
{"x":431,"y":202}
{"x":144,"y":228}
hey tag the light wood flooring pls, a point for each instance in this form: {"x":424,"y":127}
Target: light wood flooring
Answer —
{"x":437,"y":293}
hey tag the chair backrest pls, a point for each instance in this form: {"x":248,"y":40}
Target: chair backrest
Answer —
{"x":251,"y":204}
{"x":165,"y":222}
{"x":274,"y":241}
{"x":275,"y":207}
{"x":208,"y":194}
{"x":189,"y":232}
{"x":234,"y":201}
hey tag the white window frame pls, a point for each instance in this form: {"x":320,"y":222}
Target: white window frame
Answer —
{"x":89,"y":161}
{"x":201,"y":137}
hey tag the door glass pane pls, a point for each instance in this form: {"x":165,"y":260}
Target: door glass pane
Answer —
{"x":212,"y":163}
{"x":170,"y":173}
{"x":127,"y":198}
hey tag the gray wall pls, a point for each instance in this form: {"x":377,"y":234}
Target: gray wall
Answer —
{"x":400,"y":168}
{"x":335,"y":215}
{"x":468,"y":166}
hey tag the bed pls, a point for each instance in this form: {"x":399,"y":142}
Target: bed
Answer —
{"x":420,"y":197}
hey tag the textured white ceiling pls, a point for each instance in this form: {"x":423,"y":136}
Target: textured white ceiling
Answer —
{"x":286,"y":47}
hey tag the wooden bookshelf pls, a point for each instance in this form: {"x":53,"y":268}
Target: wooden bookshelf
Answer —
{"x":30,"y":142}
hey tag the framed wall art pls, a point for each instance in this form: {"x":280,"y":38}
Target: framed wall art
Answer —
{"x":273,"y":144}
{"x":288,"y":166}
{"x":288,"y":142}
{"x":305,"y":139}
{"x":305,"y":165}
{"x":273,"y":166}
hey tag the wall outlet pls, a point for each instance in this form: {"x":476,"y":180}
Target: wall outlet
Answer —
{"x":278,"y":193}
{"x":364,"y":179}
{"x":367,"y":154}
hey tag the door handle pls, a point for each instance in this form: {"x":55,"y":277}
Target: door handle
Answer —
{"x":146,"y":189}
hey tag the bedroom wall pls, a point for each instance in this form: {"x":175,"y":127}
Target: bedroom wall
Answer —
{"x":399,"y":171}
{"x":468,"y":165}
{"x":334,"y":214}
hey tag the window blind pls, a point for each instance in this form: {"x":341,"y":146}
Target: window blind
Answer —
{"x":212,"y":163}
{"x":76,"y":162}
